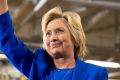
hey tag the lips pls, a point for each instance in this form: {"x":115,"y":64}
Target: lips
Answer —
{"x":55,"y":44}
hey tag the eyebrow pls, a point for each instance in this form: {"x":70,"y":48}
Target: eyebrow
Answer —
{"x":56,"y":29}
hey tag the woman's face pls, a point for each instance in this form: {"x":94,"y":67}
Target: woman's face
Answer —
{"x":57,"y":40}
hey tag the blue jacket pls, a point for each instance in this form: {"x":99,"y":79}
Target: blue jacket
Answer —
{"x":36,"y":64}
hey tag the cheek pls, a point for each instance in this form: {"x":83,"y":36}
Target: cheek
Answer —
{"x":65,"y":38}
{"x":67,"y":41}
{"x":45,"y":42}
{"x":46,"y":45}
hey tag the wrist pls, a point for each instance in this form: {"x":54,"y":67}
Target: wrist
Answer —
{"x":3,"y":6}
{"x":4,"y":11}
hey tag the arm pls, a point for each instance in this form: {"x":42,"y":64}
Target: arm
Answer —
{"x":17,"y":53}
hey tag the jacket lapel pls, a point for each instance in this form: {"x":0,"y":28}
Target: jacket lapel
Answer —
{"x":80,"y":70}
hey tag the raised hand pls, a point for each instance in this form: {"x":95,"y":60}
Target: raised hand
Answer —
{"x":3,"y":6}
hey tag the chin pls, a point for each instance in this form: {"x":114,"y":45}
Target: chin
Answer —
{"x":57,"y":54}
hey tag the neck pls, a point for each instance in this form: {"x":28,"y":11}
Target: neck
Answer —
{"x":64,"y":63}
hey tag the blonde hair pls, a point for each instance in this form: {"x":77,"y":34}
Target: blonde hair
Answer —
{"x":75,"y":28}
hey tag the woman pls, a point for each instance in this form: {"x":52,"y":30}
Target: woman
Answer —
{"x":63,"y":44}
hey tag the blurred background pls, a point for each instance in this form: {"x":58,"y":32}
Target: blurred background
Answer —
{"x":100,"y":20}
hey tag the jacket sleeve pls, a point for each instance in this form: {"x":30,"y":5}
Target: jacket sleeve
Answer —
{"x":103,"y":74}
{"x":16,"y":51}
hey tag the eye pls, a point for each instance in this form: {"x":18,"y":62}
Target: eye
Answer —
{"x":59,"y":30}
{"x":48,"y":33}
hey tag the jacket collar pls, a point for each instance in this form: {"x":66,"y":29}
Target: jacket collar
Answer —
{"x":80,"y":65}
{"x":80,"y":70}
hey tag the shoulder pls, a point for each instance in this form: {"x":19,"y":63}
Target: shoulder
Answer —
{"x":97,"y":71}
{"x":40,"y":52}
{"x":42,"y":55}
{"x":92,"y":67}
{"x":88,"y":66}
{"x":93,"y":72}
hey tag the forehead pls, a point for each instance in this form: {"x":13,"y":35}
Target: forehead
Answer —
{"x":60,"y":22}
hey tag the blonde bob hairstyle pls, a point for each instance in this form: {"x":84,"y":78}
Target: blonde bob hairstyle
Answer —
{"x":75,"y":28}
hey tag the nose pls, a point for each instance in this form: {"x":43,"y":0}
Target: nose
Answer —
{"x":54,"y":37}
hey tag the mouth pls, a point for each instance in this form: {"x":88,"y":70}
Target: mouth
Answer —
{"x":56,"y":45}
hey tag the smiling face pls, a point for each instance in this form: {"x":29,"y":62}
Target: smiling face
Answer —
{"x":57,"y":40}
